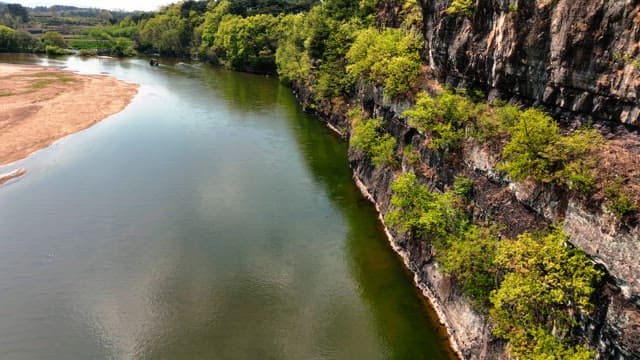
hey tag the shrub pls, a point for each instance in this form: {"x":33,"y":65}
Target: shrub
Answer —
{"x":54,"y":50}
{"x":418,"y":211}
{"x":411,"y":154}
{"x":366,"y":136}
{"x":546,"y":281}
{"x":620,"y":203}
{"x":444,"y":117}
{"x":463,"y":187}
{"x":471,"y":261}
{"x":538,"y":149}
{"x":54,"y":39}
{"x":389,"y":58}
{"x":461,"y":7}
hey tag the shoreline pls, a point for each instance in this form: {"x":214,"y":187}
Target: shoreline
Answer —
{"x":424,"y":290}
{"x":41,"y":105}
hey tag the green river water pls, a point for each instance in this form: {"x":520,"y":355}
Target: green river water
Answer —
{"x":211,"y":219}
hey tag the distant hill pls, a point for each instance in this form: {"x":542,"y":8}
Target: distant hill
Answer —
{"x":67,"y":20}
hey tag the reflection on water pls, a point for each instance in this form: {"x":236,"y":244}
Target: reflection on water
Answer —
{"x":212,"y":219}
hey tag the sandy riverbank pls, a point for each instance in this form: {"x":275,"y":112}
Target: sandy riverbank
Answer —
{"x":41,"y":105}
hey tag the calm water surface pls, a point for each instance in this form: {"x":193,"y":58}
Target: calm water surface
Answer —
{"x":211,"y":219}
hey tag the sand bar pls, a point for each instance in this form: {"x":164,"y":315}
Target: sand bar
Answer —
{"x":40,"y":105}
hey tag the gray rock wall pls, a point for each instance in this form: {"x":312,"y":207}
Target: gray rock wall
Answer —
{"x":578,"y":56}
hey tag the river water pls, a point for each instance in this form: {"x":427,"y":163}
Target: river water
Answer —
{"x":211,"y":219}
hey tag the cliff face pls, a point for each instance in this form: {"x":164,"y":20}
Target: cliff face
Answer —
{"x":578,"y":56}
{"x":613,"y":328}
{"x":580,"y":59}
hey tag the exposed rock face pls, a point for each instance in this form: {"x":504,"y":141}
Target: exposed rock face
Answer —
{"x":577,"y":56}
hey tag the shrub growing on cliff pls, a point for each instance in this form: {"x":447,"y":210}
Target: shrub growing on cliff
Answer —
{"x":538,"y":149}
{"x":471,"y":260}
{"x":389,"y":58}
{"x":444,"y":116}
{"x":436,"y":216}
{"x":620,"y":203}
{"x":461,"y":7}
{"x":367,"y":136}
{"x":546,"y":282}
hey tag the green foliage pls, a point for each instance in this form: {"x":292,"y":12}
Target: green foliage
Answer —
{"x":411,"y":154}
{"x":471,"y":261}
{"x":332,"y":74}
{"x":444,"y":116}
{"x":538,"y":149}
{"x":292,"y":60}
{"x":418,"y":211}
{"x":212,"y":20}
{"x":247,"y":43}
{"x":389,"y":58}
{"x":546,"y":281}
{"x":7,"y":39}
{"x":54,"y":39}
{"x":620,"y":203}
{"x":495,"y":121}
{"x":54,"y":50}
{"x":411,"y":14}
{"x":461,"y":7}
{"x":247,"y":8}
{"x":409,"y":200}
{"x":166,"y":33}
{"x":463,"y":187}
{"x":366,"y":136}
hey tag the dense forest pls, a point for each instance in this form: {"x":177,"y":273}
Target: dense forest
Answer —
{"x":532,"y":285}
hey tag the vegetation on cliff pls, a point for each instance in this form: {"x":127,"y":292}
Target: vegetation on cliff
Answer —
{"x":532,"y":285}
{"x":336,"y":49}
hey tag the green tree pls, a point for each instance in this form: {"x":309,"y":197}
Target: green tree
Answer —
{"x":7,"y":39}
{"x":389,"y":58}
{"x":292,"y":60}
{"x":248,"y":43}
{"x":420,"y":212}
{"x":53,"y":38}
{"x":546,"y":282}
{"x":212,"y":20}
{"x":538,"y":149}
{"x":367,"y":136}
{"x":444,"y":116}
{"x":471,"y":261}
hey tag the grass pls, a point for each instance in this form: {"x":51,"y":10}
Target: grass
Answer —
{"x":49,"y":78}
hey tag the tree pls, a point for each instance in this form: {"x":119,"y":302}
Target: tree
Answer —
{"x":19,"y":12}
{"x":389,"y":58}
{"x":7,"y":38}
{"x":471,"y":261}
{"x":367,"y":136}
{"x":546,"y":283}
{"x":52,"y":38}
{"x":444,"y":116}
{"x":538,"y":149}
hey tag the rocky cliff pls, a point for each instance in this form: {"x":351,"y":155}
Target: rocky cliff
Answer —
{"x":578,"y":56}
{"x":577,"y":59}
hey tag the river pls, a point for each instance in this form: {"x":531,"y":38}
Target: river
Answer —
{"x":211,"y":219}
